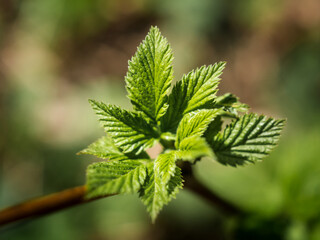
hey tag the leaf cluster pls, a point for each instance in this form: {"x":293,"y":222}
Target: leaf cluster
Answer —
{"x":187,"y":121}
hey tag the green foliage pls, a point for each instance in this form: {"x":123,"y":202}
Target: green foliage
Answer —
{"x":192,"y":148}
{"x":230,"y":103}
{"x":115,"y":177}
{"x":195,"y":123}
{"x":248,"y":139}
{"x":187,"y":122}
{"x":150,"y":74}
{"x":129,"y":130}
{"x":196,"y":90}
{"x":105,"y":148}
{"x":156,"y":193}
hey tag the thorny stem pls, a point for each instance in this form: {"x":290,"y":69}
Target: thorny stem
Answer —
{"x":75,"y":196}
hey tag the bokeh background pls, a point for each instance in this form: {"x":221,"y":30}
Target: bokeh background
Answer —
{"x":56,"y":54}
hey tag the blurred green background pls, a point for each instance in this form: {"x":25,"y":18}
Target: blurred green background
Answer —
{"x":56,"y":54}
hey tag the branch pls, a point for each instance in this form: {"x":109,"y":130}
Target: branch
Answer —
{"x":45,"y":205}
{"x":75,"y":196}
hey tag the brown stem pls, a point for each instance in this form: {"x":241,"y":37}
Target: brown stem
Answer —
{"x":45,"y":205}
{"x":75,"y":196}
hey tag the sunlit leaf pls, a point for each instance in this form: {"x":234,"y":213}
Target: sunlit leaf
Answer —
{"x":248,"y":139}
{"x":150,"y":74}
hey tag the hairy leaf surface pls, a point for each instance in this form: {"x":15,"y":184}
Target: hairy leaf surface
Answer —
{"x":213,"y":129}
{"x":192,"y":148}
{"x":195,"y":124}
{"x":196,"y":90}
{"x":230,"y":103}
{"x":155,"y":194}
{"x":150,"y":74}
{"x":248,"y":139}
{"x":115,"y":177}
{"x":105,"y":148}
{"x":165,"y":166}
{"x":129,"y":131}
{"x":187,"y":123}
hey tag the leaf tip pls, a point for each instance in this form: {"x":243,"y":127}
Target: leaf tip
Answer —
{"x":93,"y":103}
{"x":223,"y":63}
{"x":154,"y":29}
{"x":80,"y":152}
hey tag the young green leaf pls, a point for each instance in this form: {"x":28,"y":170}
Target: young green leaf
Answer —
{"x":129,"y":131}
{"x":213,"y":129}
{"x":154,"y":194}
{"x":165,"y":166}
{"x":230,"y":103}
{"x":248,"y":139}
{"x":175,"y":184}
{"x":196,"y":90}
{"x":150,"y":74}
{"x":195,"y":124}
{"x":115,"y":177}
{"x":105,"y":148}
{"x":192,"y":148}
{"x":187,"y":123}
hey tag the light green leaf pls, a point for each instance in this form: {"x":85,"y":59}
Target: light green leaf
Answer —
{"x":192,"y":148}
{"x":165,"y":166}
{"x":249,"y":139}
{"x":230,"y":103}
{"x":155,"y":194}
{"x":174,"y":185}
{"x":105,"y":148}
{"x":187,"y":122}
{"x":195,"y":124}
{"x":150,"y":74}
{"x":168,"y":136}
{"x":115,"y":177}
{"x":152,"y":193}
{"x":129,"y":131}
{"x":196,"y":90}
